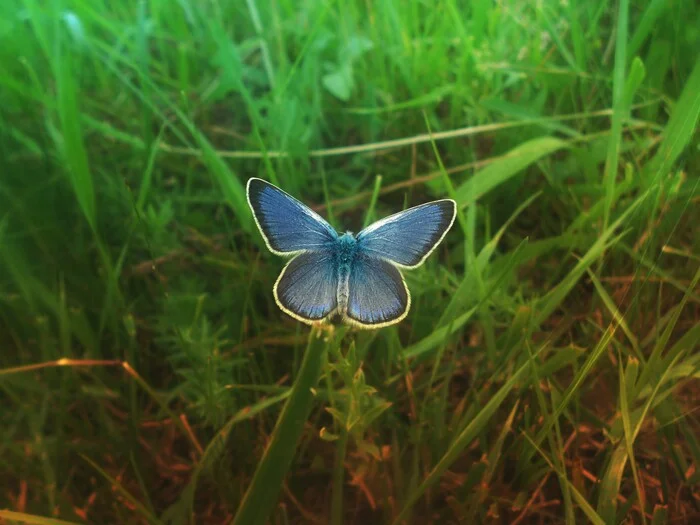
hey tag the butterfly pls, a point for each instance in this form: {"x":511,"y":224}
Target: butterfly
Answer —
{"x":355,"y":277}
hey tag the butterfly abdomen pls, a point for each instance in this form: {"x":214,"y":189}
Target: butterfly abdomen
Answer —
{"x":346,"y":250}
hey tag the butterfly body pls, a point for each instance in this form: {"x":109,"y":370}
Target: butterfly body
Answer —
{"x":345,"y":253}
{"x":355,"y":277}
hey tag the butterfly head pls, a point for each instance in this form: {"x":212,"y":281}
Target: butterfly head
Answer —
{"x":347,"y":238}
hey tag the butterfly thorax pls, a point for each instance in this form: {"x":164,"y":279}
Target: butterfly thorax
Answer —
{"x":345,"y":253}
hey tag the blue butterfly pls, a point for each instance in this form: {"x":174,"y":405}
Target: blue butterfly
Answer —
{"x":356,"y":277}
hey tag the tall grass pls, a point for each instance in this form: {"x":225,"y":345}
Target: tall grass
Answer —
{"x":548,"y":370}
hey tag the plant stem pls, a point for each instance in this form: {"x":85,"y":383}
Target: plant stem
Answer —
{"x":260,"y":498}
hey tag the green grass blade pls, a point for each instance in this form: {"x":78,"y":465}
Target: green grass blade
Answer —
{"x":493,"y":460}
{"x":655,"y":371}
{"x":139,"y":507}
{"x":680,"y":127}
{"x":147,"y":180}
{"x":437,"y":337}
{"x":575,"y":384}
{"x":515,"y":161}
{"x":472,"y":430}
{"x":551,"y":301}
{"x":74,"y":151}
{"x":554,"y":438}
{"x":31,"y":519}
{"x":466,"y":287}
{"x":646,"y":24}
{"x":615,"y":139}
{"x":260,"y":498}
{"x":232,"y":188}
{"x":615,"y":312}
{"x":651,"y":369}
{"x":634,"y":80}
{"x":625,"y":389}
{"x":657,"y":271}
{"x":215,"y":448}
{"x":589,"y":511}
{"x":369,"y":215}
{"x":339,"y":478}
{"x":612,"y":479}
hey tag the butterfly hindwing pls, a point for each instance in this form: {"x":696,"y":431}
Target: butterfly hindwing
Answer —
{"x":408,"y":237}
{"x":307,"y":288}
{"x":377,"y":293}
{"x":287,"y":225}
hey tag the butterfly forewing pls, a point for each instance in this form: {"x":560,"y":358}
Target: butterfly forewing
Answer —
{"x":307,"y":288}
{"x":287,"y":225}
{"x":408,"y":237}
{"x":377,"y":293}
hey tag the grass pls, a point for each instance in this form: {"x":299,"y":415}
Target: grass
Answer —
{"x":548,"y":370}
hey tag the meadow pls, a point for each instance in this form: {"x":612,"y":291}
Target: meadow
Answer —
{"x":548,"y":371}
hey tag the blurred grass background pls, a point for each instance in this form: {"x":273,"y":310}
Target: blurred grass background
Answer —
{"x":548,"y":369}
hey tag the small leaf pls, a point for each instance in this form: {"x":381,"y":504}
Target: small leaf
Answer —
{"x":325,"y":435}
{"x":370,"y":448}
{"x":337,"y":415}
{"x":374,"y":412}
{"x":339,"y":83}
{"x":356,"y":46}
{"x":75,"y":27}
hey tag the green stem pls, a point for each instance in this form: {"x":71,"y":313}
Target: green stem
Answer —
{"x":339,"y":479}
{"x":260,"y":498}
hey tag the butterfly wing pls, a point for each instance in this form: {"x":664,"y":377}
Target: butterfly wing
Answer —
{"x":307,"y":288}
{"x":287,"y":225}
{"x":377,"y":293}
{"x":408,"y":237}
